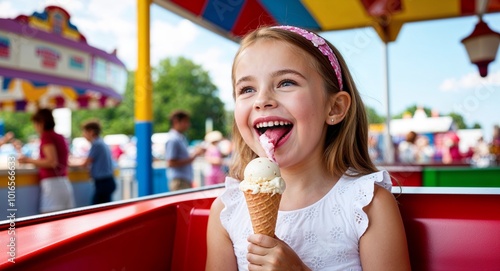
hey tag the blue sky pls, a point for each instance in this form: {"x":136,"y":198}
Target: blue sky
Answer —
{"x":428,"y":65}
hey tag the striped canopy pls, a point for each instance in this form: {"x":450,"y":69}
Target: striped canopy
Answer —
{"x":234,"y":18}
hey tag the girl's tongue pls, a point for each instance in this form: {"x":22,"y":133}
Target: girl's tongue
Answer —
{"x":275,"y":133}
{"x":270,"y":138}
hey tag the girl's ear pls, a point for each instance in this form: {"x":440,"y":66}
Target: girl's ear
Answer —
{"x":338,"y":107}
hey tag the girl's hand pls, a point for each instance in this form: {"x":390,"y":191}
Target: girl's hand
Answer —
{"x":267,"y":253}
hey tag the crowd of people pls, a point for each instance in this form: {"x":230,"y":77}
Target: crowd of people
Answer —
{"x":445,"y":149}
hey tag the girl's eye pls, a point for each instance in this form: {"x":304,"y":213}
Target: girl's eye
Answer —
{"x":287,"y":83}
{"x":244,"y":90}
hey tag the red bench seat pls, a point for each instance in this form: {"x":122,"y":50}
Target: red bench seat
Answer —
{"x":445,"y":231}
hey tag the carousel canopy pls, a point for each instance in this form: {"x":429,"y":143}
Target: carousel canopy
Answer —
{"x":46,"y":62}
{"x":233,"y":19}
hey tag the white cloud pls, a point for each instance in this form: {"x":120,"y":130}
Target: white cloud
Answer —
{"x":11,"y":9}
{"x":110,"y":30}
{"x":219,"y":66}
{"x":470,"y":81}
{"x":111,"y":9}
{"x":170,"y":40}
{"x":7,"y":10}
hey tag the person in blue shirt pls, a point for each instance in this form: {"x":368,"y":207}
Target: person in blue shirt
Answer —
{"x":179,"y":160}
{"x":100,"y":161}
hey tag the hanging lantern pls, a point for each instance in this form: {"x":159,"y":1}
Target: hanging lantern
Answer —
{"x":380,"y":8}
{"x":482,"y":46}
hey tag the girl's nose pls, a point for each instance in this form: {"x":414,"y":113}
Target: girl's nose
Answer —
{"x":265,"y":99}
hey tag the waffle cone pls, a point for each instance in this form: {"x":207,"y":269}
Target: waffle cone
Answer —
{"x":263,"y":209}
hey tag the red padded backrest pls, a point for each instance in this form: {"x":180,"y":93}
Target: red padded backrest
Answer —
{"x":444,"y":232}
{"x":452,"y":232}
{"x":190,"y":251}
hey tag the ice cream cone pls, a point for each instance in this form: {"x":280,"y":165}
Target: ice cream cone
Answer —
{"x":263,"y":209}
{"x":263,"y":187}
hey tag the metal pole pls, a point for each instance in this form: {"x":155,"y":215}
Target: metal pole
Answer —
{"x":389,"y":149}
{"x":143,"y":101}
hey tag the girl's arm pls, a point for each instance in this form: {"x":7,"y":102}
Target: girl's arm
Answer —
{"x":220,"y":253}
{"x":383,"y":246}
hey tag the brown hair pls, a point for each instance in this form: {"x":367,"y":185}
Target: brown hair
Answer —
{"x":178,"y":115}
{"x":411,"y":137}
{"x":92,"y":125}
{"x":44,"y":116}
{"x":346,"y":143}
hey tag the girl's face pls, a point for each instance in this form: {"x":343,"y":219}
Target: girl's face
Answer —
{"x":280,"y":93}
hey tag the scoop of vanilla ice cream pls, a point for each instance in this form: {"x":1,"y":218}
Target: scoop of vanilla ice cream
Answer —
{"x":262,"y":175}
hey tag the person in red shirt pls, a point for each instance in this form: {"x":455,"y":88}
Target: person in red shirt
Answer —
{"x":56,"y":192}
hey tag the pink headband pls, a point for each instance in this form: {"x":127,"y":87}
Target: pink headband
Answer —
{"x":323,"y":47}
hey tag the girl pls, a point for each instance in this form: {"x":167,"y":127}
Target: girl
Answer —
{"x":337,"y":212}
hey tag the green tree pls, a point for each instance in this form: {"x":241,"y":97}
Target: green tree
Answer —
{"x":181,"y":84}
{"x":115,"y":120}
{"x":373,"y":116}
{"x":411,"y":110}
{"x":19,"y":123}
{"x":476,"y":126}
{"x":458,"y":120}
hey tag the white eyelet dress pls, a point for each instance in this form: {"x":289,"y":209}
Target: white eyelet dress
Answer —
{"x":325,"y":234}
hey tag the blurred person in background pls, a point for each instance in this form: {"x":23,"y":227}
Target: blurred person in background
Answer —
{"x":178,"y":159}
{"x":495,"y":144}
{"x":481,"y":153}
{"x":18,"y":146}
{"x":451,"y":152}
{"x":116,"y":152}
{"x":226,"y":148}
{"x":100,"y":162}
{"x":407,"y":150}
{"x":425,"y":152}
{"x":374,"y":150}
{"x":56,"y":192}
{"x":214,"y":172}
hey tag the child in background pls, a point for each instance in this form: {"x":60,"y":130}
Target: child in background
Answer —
{"x":337,"y":212}
{"x":214,"y":173}
{"x":100,"y":162}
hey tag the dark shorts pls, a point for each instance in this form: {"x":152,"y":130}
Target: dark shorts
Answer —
{"x":104,"y":188}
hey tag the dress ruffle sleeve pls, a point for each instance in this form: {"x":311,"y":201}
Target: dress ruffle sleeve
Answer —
{"x":362,"y":192}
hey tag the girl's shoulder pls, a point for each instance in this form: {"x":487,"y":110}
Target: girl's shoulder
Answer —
{"x":358,"y":192}
{"x":351,"y":181}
